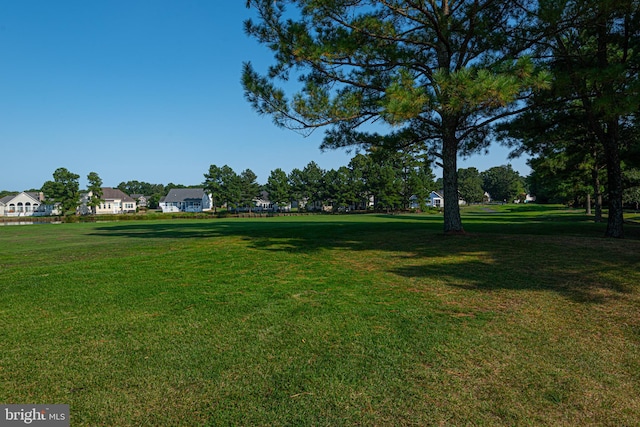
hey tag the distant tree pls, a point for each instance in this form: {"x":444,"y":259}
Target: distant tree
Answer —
{"x":336,"y":188}
{"x":4,"y":193}
{"x":470,"y":185}
{"x":502,"y":183}
{"x":131,"y":187}
{"x":386,"y":185}
{"x":360,"y":166}
{"x":420,"y":181}
{"x":170,"y":186}
{"x":63,"y":190}
{"x":249,"y":188}
{"x":231,"y":187}
{"x":561,"y":143}
{"x":95,"y":188}
{"x":213,"y":184}
{"x":307,"y":183}
{"x":278,"y":188}
{"x":297,"y":186}
{"x":153,"y":192}
{"x":631,"y":195}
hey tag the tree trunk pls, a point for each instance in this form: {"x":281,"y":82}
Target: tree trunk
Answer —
{"x":588,"y":203}
{"x":598,"y":194}
{"x":614,"y":182}
{"x":452,"y":220}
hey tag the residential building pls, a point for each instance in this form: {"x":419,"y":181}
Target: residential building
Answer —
{"x":26,"y":204}
{"x":435,"y":200}
{"x":263,"y":203}
{"x":186,"y":200}
{"x":141,"y":200}
{"x":113,"y":201}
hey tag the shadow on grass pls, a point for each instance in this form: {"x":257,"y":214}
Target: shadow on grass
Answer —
{"x":503,"y":251}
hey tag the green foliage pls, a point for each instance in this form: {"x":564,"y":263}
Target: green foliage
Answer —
{"x":306,"y":184}
{"x":249,"y":188}
{"x":230,"y":188}
{"x":470,"y":185}
{"x":4,"y":193}
{"x":153,"y":192}
{"x":213,"y":185}
{"x":95,"y":189}
{"x":595,"y":46}
{"x":63,"y":190}
{"x":438,"y":75}
{"x":502,"y":183}
{"x":631,"y":193}
{"x":278,"y":187}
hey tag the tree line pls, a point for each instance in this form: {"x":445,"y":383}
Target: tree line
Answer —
{"x":380,"y":180}
{"x":384,"y":181}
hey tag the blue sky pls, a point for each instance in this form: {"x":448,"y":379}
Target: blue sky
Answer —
{"x":145,"y":90}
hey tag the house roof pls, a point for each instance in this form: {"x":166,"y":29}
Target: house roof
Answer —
{"x":114,"y":193}
{"x":182,"y":194}
{"x":33,"y":195}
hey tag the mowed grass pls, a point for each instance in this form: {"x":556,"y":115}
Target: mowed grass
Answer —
{"x":532,"y":318}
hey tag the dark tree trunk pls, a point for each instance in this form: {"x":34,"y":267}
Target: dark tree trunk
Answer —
{"x":452,"y":220}
{"x":615,"y":220}
{"x":598,"y":194}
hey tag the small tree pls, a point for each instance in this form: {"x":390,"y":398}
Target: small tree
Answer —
{"x":213,"y":184}
{"x":502,"y":183}
{"x":278,"y":188}
{"x":95,"y":189}
{"x":249,"y":188}
{"x":231,"y":187}
{"x":360,"y":166}
{"x":336,"y":188}
{"x":470,"y":185}
{"x":631,"y":194}
{"x":63,"y":190}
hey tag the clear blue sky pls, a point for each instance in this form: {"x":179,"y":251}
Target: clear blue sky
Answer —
{"x":145,"y":90}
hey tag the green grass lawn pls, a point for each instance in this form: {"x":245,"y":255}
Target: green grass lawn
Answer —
{"x":532,"y":318}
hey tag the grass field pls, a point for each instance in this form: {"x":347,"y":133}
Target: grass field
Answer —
{"x":532,"y":318}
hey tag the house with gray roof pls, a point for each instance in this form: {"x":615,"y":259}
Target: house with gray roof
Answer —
{"x":186,"y":200}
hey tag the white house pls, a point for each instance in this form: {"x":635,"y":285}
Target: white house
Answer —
{"x":186,"y":200}
{"x":141,"y":200}
{"x":434,"y":200}
{"x":26,"y":204}
{"x":114,"y":201}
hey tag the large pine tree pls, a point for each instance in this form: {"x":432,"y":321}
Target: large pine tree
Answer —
{"x":435,"y":73}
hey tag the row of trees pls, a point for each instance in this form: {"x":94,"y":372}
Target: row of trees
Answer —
{"x":388,"y":180}
{"x":64,"y":190}
{"x":502,"y":183}
{"x":442,"y":76}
